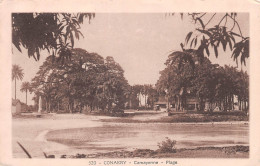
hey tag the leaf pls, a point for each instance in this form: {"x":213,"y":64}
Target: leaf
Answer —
{"x":80,"y":34}
{"x":229,"y":42}
{"x":182,"y":46}
{"x":218,"y":41}
{"x":38,"y":54}
{"x":207,"y":50}
{"x":224,"y":43}
{"x":188,"y":37}
{"x":192,"y":42}
{"x":205,"y":32}
{"x":16,"y":43}
{"x":216,"y":51}
{"x":237,"y":49}
{"x":243,"y":59}
{"x":195,"y":42}
{"x":77,"y":35}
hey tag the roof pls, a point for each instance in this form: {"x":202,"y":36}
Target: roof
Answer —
{"x":15,"y":102}
{"x":160,"y":102}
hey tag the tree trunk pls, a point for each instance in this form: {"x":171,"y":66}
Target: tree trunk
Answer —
{"x":47,"y":107}
{"x":26,"y":96}
{"x":152,"y":102}
{"x":178,"y":104}
{"x":232,"y":100}
{"x":144,"y":101}
{"x":50,"y":105}
{"x":58,"y":106}
{"x":168,"y":103}
{"x":130,"y":102}
{"x":15,"y":88}
{"x":139,"y":98}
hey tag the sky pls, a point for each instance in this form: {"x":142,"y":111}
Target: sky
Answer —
{"x":139,"y":42}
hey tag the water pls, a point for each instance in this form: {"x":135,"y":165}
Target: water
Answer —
{"x":129,"y":136}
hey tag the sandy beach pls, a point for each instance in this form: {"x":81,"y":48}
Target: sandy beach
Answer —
{"x":31,"y":132}
{"x":78,"y":133}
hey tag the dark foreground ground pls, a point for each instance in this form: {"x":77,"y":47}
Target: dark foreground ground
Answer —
{"x":200,"y":152}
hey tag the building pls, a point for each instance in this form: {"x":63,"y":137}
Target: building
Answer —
{"x":16,"y":106}
{"x":192,"y":104}
{"x":162,"y":104}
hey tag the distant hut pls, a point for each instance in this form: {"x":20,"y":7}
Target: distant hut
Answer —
{"x":16,"y":106}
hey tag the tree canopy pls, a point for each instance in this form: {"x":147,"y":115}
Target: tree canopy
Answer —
{"x":87,"y":80}
{"x":54,"y":32}
{"x":206,"y":81}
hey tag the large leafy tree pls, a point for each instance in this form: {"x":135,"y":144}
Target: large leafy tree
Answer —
{"x":86,"y":80}
{"x":17,"y":74}
{"x":208,"y":82}
{"x":175,"y":79}
{"x":25,"y":88}
{"x":54,"y":32}
{"x":114,"y":87}
{"x":57,"y":81}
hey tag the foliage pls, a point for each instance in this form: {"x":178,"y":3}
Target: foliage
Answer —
{"x":206,"y":81}
{"x":87,"y":80}
{"x":25,"y":88}
{"x":215,"y":30}
{"x":17,"y":74}
{"x":149,"y":93}
{"x":51,"y":31}
{"x":167,"y":146}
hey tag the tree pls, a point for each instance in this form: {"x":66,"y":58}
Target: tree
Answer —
{"x":53,"y":32}
{"x":152,"y":96}
{"x":114,"y":86}
{"x":57,"y":81}
{"x":137,"y":91}
{"x":175,"y":79}
{"x":17,"y":74}
{"x":25,"y":87}
{"x":208,"y":82}
{"x":86,"y":80}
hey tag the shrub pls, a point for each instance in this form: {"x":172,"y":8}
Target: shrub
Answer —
{"x":167,"y":146}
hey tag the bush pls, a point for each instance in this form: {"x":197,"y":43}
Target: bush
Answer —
{"x":167,"y":146}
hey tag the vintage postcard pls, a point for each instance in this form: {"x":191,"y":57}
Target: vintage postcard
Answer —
{"x":129,"y":83}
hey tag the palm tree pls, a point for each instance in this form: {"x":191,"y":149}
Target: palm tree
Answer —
{"x":24,"y":88}
{"x":17,"y":74}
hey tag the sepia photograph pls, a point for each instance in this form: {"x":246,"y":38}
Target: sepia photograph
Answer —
{"x":130,"y":85}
